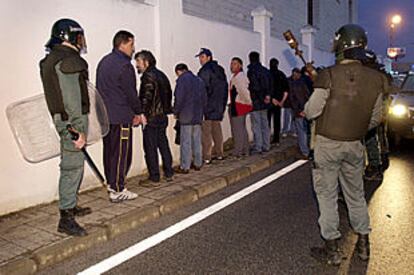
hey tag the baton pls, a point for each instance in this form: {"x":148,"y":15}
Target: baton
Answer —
{"x":293,"y":43}
{"x":95,"y":170}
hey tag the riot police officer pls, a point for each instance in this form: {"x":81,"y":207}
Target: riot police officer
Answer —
{"x":347,"y":101}
{"x":376,"y":140}
{"x":64,"y":76}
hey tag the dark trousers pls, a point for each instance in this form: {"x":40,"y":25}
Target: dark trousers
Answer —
{"x":155,"y":139}
{"x":274,"y":112}
{"x":117,"y":155}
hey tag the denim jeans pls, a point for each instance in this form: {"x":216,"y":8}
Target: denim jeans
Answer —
{"x":261,"y":131}
{"x":288,"y":126}
{"x":301,"y":128}
{"x":190,"y":146}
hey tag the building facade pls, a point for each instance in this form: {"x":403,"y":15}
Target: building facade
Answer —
{"x":325,"y":15}
{"x":174,"y":30}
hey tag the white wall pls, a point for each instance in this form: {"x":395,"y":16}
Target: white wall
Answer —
{"x":26,"y":27}
{"x":163,"y":28}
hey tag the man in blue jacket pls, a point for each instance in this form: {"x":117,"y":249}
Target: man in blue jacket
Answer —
{"x":260,"y":91}
{"x":189,"y":104}
{"x":116,"y":83}
{"x":215,"y":81}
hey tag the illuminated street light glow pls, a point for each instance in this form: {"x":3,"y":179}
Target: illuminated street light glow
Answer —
{"x":395,"y":20}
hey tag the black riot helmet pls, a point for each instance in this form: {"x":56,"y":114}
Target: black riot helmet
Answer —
{"x":67,"y":30}
{"x":350,"y":36}
{"x":372,"y":61}
{"x":371,"y":57}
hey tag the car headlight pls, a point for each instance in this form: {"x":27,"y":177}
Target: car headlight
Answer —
{"x":399,"y":110}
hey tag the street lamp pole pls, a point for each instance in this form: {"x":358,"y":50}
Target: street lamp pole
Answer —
{"x":395,"y":20}
{"x":391,"y":42}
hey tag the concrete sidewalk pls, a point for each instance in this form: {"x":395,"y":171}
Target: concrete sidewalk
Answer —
{"x":29,"y":240}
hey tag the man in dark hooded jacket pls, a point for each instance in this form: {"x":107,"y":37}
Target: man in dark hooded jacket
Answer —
{"x":260,"y":91}
{"x":279,"y":94}
{"x":215,"y":81}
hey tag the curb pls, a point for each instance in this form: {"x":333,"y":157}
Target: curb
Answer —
{"x":258,"y":166}
{"x":237,"y":175}
{"x":70,"y":246}
{"x":210,"y":187}
{"x":131,"y":220}
{"x":19,"y":266}
{"x":177,"y":201}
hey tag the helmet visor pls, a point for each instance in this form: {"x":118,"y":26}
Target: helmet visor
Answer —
{"x":81,"y":43}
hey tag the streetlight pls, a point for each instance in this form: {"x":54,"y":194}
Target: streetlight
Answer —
{"x":395,"y":20}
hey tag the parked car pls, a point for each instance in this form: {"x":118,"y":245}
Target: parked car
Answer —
{"x":401,"y":112}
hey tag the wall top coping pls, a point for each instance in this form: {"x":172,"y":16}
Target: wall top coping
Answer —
{"x":308,"y":29}
{"x":261,"y":11}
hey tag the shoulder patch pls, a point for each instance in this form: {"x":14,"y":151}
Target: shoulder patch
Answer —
{"x":73,"y":64}
{"x":323,"y":80}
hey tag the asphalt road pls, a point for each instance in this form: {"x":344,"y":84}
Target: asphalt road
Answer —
{"x":271,"y":230}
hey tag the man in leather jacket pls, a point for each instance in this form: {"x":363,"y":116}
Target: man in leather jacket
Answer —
{"x":156,"y":95}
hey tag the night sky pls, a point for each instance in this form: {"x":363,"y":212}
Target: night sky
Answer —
{"x":374,"y":17}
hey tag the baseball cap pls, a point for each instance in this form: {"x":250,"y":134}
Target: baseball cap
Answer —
{"x":204,"y":51}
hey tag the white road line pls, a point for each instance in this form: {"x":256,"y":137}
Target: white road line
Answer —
{"x":167,"y":233}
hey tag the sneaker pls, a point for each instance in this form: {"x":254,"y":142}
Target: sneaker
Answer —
{"x":219,"y":158}
{"x":284,"y":135}
{"x":195,"y":167}
{"x":180,"y":170}
{"x":235,"y":157}
{"x":207,"y":161}
{"x":148,"y":183}
{"x":169,"y":179}
{"x":124,"y":195}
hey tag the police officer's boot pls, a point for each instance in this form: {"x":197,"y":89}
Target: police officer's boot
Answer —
{"x":362,"y":247}
{"x":373,"y":173}
{"x":385,"y":162}
{"x":81,"y":211}
{"x":328,"y":254}
{"x":68,"y":225}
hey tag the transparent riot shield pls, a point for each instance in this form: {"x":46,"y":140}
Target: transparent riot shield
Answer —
{"x":35,"y":133}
